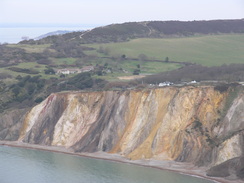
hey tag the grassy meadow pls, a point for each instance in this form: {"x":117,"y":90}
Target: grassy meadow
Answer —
{"x":211,"y":50}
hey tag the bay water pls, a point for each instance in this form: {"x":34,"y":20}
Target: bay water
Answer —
{"x":19,"y":165}
{"x":15,"y":34}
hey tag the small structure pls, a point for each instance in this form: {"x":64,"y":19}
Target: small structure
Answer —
{"x":166,"y":83}
{"x":193,"y":82}
{"x":74,"y":71}
{"x":68,"y":71}
{"x":87,"y":68}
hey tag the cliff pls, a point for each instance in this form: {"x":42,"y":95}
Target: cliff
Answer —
{"x":201,"y":125}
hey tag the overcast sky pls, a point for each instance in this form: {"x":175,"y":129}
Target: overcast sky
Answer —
{"x":104,"y":12}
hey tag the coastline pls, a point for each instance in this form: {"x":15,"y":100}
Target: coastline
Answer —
{"x":178,"y":167}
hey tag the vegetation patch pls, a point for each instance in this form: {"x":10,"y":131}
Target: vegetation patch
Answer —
{"x":233,"y":91}
{"x":27,"y":71}
{"x":224,"y":73}
{"x":31,"y":48}
{"x":213,"y":50}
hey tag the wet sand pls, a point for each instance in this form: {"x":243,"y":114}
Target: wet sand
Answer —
{"x":182,"y":168}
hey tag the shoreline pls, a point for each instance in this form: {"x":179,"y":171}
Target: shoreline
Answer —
{"x":178,"y":167}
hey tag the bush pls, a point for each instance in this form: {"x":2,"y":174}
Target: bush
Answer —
{"x":136,"y":72}
{"x":222,"y":88}
{"x":39,"y":100}
{"x":27,"y":71}
{"x":5,"y":75}
{"x":49,"y":71}
{"x":81,"y":81}
{"x":44,"y":61}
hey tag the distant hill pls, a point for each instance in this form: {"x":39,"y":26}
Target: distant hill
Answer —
{"x":55,"y":33}
{"x":152,"y":29}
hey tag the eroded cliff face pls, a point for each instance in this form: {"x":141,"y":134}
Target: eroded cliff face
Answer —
{"x":10,"y":124}
{"x":189,"y":124}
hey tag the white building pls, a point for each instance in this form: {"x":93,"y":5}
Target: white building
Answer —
{"x":75,"y":71}
{"x":68,"y":71}
{"x":87,"y":68}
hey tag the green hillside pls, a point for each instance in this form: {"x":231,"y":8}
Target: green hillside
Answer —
{"x":160,"y":51}
{"x":150,"y":29}
{"x":210,"y":50}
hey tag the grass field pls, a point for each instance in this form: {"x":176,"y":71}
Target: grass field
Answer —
{"x":208,"y":50}
{"x":214,"y":50}
{"x":30,"y":48}
{"x":64,"y":61}
{"x":28,"y":65}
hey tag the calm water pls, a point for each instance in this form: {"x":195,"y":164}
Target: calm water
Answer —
{"x":19,"y":165}
{"x":15,"y":34}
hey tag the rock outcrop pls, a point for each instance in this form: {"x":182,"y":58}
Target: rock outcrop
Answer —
{"x":201,"y":125}
{"x":10,"y":123}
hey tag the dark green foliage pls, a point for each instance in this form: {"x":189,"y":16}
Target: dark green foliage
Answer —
{"x":105,"y":65}
{"x":115,"y":33}
{"x":81,"y":81}
{"x":136,"y":72}
{"x":68,"y":48}
{"x":222,"y":88}
{"x":99,"y":72}
{"x":2,"y":86}
{"x":40,"y":83}
{"x":18,"y":77}
{"x":16,"y":90}
{"x":62,"y":76}
{"x":233,"y":92}
{"x":39,"y":100}
{"x":30,"y":41}
{"x":34,"y":79}
{"x":123,"y":56}
{"x":8,"y":54}
{"x":49,"y":70}
{"x":26,"y":78}
{"x":44,"y":61}
{"x":132,"y":30}
{"x":5,"y":75}
{"x":232,"y":72}
{"x":167,"y":59}
{"x":27,"y":71}
{"x":30,"y":87}
{"x":193,"y":27}
{"x":52,"y":39}
{"x":26,"y":87}
{"x":99,"y":83}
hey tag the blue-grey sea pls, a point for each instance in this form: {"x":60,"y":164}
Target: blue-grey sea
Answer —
{"x":19,"y":165}
{"x":15,"y":34}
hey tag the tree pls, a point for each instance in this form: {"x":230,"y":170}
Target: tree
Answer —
{"x":30,"y":88}
{"x":81,"y":81}
{"x":123,"y":56}
{"x":16,"y":90}
{"x":167,"y":59}
{"x":105,"y":65}
{"x":62,"y":76}
{"x":49,"y":71}
{"x":142,"y":57}
{"x":39,"y":100}
{"x":136,"y":72}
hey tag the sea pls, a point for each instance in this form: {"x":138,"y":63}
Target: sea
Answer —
{"x":15,"y":34}
{"x":28,"y":166}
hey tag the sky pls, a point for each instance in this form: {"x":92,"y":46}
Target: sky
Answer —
{"x":103,"y":12}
